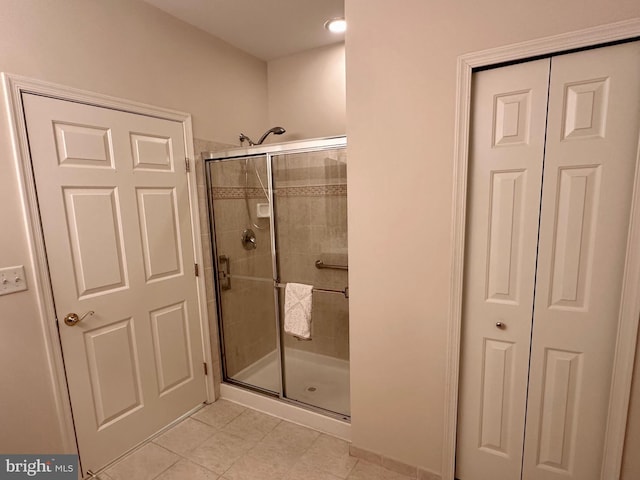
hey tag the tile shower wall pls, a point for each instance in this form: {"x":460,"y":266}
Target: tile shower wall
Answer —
{"x":311,"y":224}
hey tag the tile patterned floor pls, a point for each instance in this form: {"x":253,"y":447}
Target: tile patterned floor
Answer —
{"x":225,"y":441}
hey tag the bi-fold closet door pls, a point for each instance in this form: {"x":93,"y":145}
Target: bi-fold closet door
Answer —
{"x":552,"y":159}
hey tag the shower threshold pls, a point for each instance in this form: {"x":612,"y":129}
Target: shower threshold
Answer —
{"x":312,"y":379}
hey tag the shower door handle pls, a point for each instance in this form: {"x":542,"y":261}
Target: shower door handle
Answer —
{"x":224,"y":272}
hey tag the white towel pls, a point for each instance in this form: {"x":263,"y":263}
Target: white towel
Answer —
{"x":297,"y":310}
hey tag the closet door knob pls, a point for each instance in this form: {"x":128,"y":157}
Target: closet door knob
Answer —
{"x":500,"y":325}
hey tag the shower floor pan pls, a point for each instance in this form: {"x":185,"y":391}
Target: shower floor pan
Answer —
{"x":315,"y":379}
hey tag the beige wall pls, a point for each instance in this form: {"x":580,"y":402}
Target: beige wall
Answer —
{"x":401,"y":87}
{"x":121,"y":48}
{"x":307,"y":93}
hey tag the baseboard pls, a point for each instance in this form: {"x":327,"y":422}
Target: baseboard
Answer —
{"x":394,"y":465}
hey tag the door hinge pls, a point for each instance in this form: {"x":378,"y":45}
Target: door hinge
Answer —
{"x":197,"y":270}
{"x":187,"y":165}
{"x":206,"y":369}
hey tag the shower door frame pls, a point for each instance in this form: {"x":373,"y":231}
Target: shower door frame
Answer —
{"x":267,"y":152}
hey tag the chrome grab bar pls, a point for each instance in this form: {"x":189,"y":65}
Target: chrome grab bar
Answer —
{"x":321,"y":264}
{"x":344,"y":292}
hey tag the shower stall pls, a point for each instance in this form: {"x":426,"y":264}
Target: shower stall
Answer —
{"x":278,"y":215}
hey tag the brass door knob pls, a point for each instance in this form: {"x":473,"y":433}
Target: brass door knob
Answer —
{"x":72,"y":318}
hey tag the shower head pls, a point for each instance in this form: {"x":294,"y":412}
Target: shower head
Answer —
{"x":274,"y":130}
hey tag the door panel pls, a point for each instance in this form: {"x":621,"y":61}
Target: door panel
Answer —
{"x":562,"y":375}
{"x":115,"y":215}
{"x":152,"y":153}
{"x":84,"y":146}
{"x":505,"y":172}
{"x":505,"y":235}
{"x":158,"y":218}
{"x":591,"y":152}
{"x":577,"y":203}
{"x":171,"y":346}
{"x":95,"y":231}
{"x":497,"y":393}
{"x":114,"y":371}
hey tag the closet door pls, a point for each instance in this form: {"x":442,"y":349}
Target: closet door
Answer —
{"x":507,"y":147}
{"x":591,"y":151}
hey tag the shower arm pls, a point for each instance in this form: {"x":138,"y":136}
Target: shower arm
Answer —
{"x":243,"y":137}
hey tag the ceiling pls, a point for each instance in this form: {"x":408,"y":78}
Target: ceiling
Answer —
{"x":267,"y":29}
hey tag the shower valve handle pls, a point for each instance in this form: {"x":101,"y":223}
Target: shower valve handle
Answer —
{"x":249,"y":240}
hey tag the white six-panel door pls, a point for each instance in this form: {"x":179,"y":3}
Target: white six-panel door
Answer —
{"x":572,"y":297}
{"x":590,"y":160}
{"x":114,"y":204}
{"x":505,"y":178}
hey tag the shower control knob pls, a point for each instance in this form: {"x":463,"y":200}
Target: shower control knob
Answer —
{"x":249,"y":240}
{"x":500,"y":325}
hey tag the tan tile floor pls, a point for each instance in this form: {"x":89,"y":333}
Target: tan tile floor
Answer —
{"x":225,"y":441}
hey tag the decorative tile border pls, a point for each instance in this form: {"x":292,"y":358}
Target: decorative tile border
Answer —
{"x":230,"y":193}
{"x":313,"y":191}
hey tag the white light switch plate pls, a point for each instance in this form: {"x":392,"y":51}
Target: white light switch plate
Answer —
{"x":12,"y":280}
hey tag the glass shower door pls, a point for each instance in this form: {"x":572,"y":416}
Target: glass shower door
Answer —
{"x":239,"y":199}
{"x":310,"y":197}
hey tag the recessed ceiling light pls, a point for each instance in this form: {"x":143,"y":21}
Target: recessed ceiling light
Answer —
{"x":336,"y":25}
